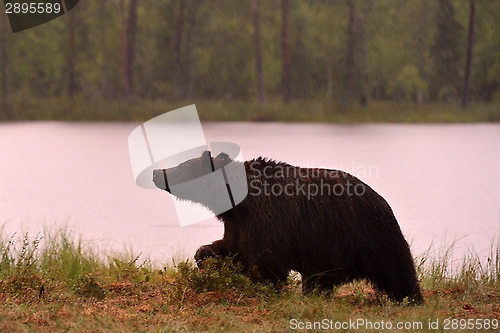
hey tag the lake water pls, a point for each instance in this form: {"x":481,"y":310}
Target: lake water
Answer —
{"x":442,"y":181}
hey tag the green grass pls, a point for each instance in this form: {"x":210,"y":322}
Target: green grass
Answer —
{"x":56,"y":282}
{"x":298,"y":111}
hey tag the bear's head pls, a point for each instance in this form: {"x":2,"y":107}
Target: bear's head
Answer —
{"x":190,"y":180}
{"x":189,"y":170}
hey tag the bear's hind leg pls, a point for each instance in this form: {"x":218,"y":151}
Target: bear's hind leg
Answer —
{"x":400,"y":287}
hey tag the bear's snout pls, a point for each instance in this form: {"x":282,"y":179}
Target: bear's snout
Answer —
{"x":160,"y":180}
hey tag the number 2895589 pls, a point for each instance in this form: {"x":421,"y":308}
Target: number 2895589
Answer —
{"x":32,"y":8}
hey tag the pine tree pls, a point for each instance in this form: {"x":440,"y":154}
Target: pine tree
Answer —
{"x":446,"y":53}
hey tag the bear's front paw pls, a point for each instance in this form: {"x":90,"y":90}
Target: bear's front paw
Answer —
{"x":204,"y":252}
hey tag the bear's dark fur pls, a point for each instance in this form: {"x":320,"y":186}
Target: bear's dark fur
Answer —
{"x":344,"y":231}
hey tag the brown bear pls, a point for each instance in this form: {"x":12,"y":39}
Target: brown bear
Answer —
{"x":325,"y":224}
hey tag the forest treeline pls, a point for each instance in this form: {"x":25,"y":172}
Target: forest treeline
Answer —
{"x":340,"y":50}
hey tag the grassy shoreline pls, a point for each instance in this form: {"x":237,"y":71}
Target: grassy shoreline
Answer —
{"x":55,"y":282}
{"x":81,"y":109}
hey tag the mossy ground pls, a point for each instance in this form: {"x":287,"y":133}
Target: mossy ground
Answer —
{"x":55,"y":282}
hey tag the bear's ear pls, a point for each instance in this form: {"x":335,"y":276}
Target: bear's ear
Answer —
{"x":206,"y":162}
{"x":223,"y":157}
